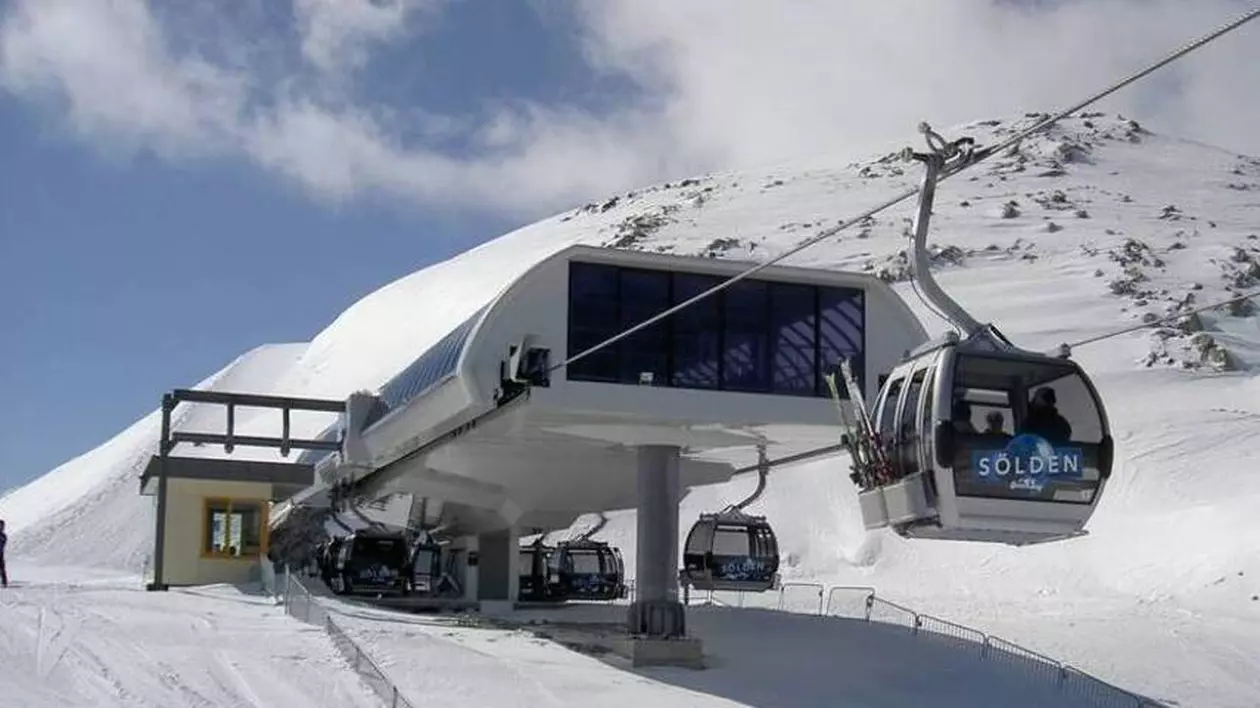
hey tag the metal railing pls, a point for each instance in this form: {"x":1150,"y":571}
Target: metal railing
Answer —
{"x":861,"y":602}
{"x":847,"y":601}
{"x":301,"y":604}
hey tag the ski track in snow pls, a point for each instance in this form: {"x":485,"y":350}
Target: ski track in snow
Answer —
{"x":121,"y":646}
{"x":1159,"y":598}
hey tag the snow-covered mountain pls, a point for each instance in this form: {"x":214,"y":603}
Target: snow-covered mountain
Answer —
{"x":1094,"y":226}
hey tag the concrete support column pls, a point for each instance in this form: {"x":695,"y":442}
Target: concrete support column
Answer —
{"x":656,"y":611}
{"x":498,"y":574}
{"x":467,"y":576}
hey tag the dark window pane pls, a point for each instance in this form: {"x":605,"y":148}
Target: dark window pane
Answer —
{"x":644,"y":294}
{"x":840,"y":333}
{"x":593,"y":318}
{"x":731,"y":541}
{"x":697,"y":333}
{"x":745,"y":346}
{"x":792,"y":341}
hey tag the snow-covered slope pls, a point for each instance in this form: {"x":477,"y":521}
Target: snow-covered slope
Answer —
{"x":1085,"y":230}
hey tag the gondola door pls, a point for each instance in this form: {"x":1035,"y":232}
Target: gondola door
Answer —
{"x":896,"y":417}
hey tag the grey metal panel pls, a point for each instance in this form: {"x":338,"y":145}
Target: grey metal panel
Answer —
{"x":253,"y":441}
{"x":258,"y":400}
{"x":279,"y":473}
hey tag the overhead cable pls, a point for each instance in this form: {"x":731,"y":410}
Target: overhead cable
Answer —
{"x":980,"y":156}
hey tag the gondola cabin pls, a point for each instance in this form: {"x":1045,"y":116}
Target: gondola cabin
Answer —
{"x":426,"y":566}
{"x":987,"y":442}
{"x":731,"y":550}
{"x":369,"y":561}
{"x":539,"y":573}
{"x":590,"y":570}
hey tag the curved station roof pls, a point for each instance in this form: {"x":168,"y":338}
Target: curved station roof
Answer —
{"x":489,"y":427}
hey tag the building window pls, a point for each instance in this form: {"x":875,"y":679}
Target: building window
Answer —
{"x":745,"y":337}
{"x":793,"y":339}
{"x":841,"y":333}
{"x":594,"y":315}
{"x":643,"y":295}
{"x":696,"y":334}
{"x":234,"y":528}
{"x":755,"y":336}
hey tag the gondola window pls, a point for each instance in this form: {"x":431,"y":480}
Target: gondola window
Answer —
{"x":1026,"y":457}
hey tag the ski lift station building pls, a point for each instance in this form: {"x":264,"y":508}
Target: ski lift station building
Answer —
{"x":493,"y":435}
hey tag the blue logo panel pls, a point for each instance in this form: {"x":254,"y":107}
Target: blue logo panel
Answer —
{"x":1028,"y":462}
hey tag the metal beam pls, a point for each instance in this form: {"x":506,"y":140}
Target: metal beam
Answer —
{"x":228,"y":470}
{"x":159,"y":534}
{"x":259,"y":401}
{"x":252,"y":441}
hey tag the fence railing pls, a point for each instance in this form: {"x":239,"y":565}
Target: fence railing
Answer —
{"x":861,"y":602}
{"x":300,"y":603}
{"x":848,"y":601}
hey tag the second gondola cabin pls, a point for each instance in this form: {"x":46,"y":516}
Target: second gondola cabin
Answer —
{"x":590,"y":570}
{"x":971,"y":437}
{"x":989,"y":444}
{"x":731,"y":550}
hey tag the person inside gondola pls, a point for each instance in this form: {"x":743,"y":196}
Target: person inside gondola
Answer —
{"x":962,"y":417}
{"x":1044,"y":418}
{"x":994,"y":423}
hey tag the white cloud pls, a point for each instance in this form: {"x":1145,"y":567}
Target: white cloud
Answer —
{"x":757,"y":81}
{"x":338,"y":34}
{"x":724,"y":84}
{"x":107,"y":65}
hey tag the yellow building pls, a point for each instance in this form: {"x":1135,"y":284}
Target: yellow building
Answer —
{"x":215,"y":525}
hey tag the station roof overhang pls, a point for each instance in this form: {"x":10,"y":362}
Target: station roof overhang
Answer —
{"x":285,"y":478}
{"x":542,"y":457}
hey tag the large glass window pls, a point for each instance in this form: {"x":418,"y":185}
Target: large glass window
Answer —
{"x":594,"y":316}
{"x":697,"y":334}
{"x":644,"y":354}
{"x":745,"y":343}
{"x":793,"y":339}
{"x":754,"y":336}
{"x":841,"y":332}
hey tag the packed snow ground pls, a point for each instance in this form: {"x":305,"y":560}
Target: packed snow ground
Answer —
{"x":1089,"y":229}
{"x":754,"y":657}
{"x":100,"y":641}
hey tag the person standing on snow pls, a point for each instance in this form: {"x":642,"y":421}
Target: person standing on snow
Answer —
{"x":4,"y":539}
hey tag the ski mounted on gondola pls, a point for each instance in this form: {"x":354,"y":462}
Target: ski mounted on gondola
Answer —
{"x":860,"y":437}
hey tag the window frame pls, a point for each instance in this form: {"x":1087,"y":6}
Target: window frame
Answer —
{"x":213,"y":505}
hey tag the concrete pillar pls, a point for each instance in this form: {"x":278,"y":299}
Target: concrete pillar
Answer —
{"x":498,"y":574}
{"x":656,"y":611}
{"x":467,"y":577}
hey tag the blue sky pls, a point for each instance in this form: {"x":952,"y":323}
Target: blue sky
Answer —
{"x":125,"y":277}
{"x":180,"y":183}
